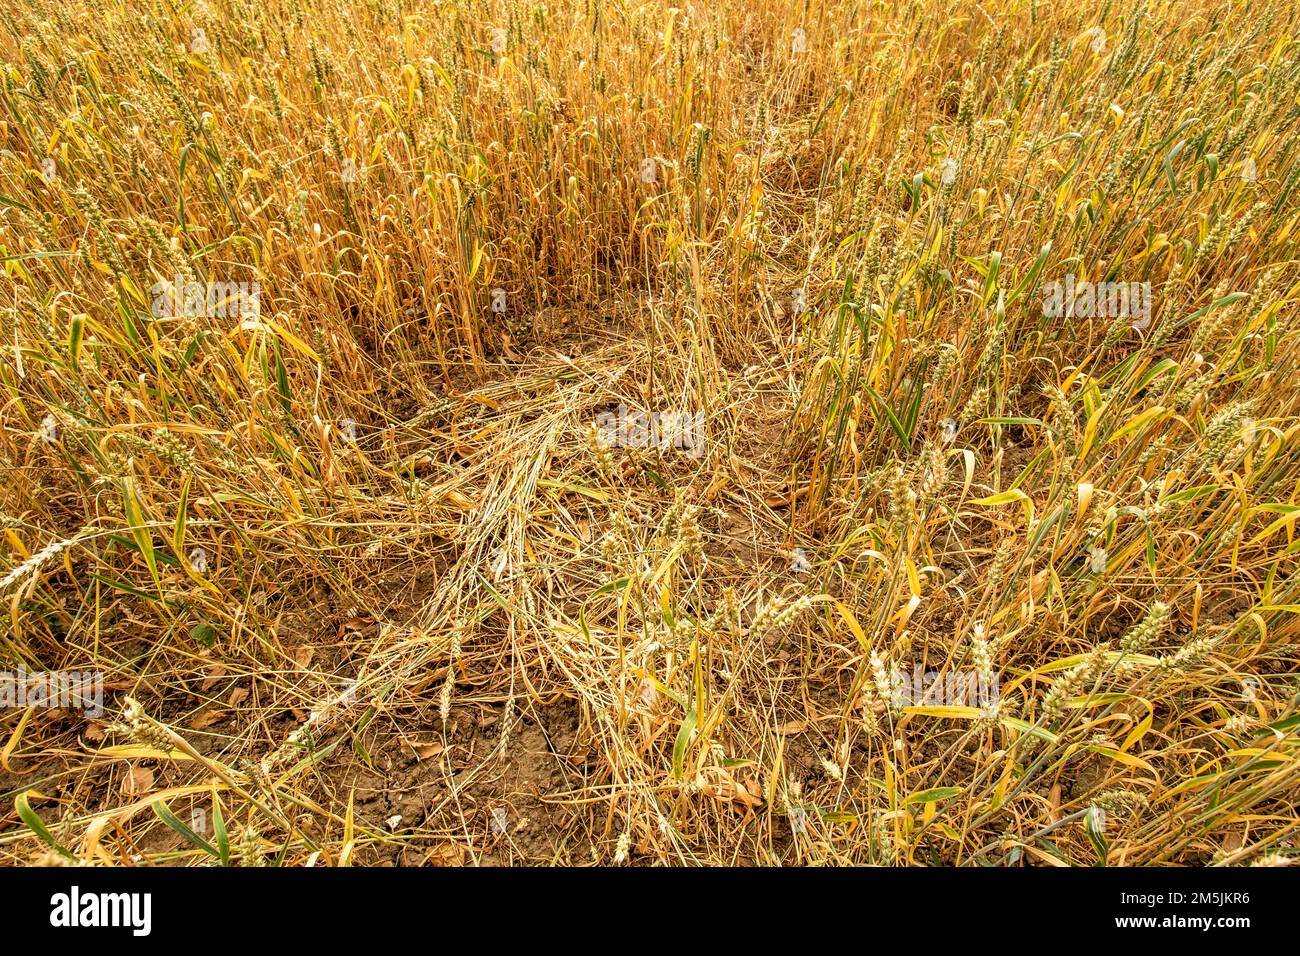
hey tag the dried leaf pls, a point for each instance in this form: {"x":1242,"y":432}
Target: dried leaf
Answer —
{"x":206,"y":718}
{"x":447,"y":854}
{"x":427,"y":751}
{"x":214,"y":675}
{"x":137,"y":782}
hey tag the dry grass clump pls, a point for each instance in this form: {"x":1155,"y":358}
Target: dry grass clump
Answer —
{"x":314,"y":318}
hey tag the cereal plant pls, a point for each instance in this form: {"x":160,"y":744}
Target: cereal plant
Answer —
{"x":496,"y":432}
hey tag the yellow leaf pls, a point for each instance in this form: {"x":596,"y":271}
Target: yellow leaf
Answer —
{"x":1135,"y":423}
{"x":1006,"y":498}
{"x":960,"y":713}
{"x":1090,"y":430}
{"x":1127,"y":759}
{"x":140,"y":752}
{"x":1138,"y":732}
{"x":913,"y":579}
{"x":853,"y":624}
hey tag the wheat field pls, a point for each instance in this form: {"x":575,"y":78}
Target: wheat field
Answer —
{"x":486,"y":432}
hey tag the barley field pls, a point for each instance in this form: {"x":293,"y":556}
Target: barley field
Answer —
{"x":591,"y":433}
